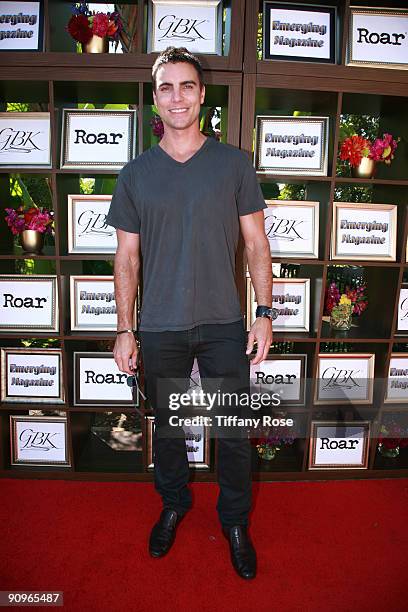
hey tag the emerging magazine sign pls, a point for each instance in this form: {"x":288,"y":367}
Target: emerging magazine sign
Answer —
{"x":295,"y":32}
{"x":291,"y":145}
{"x":21,"y":26}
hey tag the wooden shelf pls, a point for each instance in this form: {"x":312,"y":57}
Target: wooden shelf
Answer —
{"x":240,"y":84}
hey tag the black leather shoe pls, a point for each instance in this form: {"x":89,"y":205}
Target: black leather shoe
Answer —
{"x":163,"y":533}
{"x":243,"y":554}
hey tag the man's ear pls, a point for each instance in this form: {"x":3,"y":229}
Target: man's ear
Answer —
{"x":202,"y":95}
{"x":154,"y":98}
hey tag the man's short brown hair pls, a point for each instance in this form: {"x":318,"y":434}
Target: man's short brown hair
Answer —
{"x":174,"y":55}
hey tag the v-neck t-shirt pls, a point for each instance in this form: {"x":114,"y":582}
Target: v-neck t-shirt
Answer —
{"x":187,"y":216}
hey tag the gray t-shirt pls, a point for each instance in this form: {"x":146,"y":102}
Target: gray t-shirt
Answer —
{"x":187,"y":215}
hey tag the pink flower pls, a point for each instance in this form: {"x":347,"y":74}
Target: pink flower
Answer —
{"x":382,"y":149}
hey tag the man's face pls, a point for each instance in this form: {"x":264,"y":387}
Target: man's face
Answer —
{"x":178,"y":96}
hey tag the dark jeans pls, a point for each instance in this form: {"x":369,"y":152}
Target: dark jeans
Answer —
{"x":220,"y":352}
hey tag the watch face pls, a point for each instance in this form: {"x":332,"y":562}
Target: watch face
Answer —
{"x":274,"y":313}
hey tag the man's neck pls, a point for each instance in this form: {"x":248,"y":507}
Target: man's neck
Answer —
{"x":181,"y":145}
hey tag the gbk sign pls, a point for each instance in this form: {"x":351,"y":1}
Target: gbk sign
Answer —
{"x":39,"y":441}
{"x":25,"y":140}
{"x":196,"y":25}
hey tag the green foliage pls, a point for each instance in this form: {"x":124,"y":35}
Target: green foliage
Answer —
{"x":259,"y":38}
{"x":353,"y":193}
{"x":40,"y":343}
{"x":292,"y":192}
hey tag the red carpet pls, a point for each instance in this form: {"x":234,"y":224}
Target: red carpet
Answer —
{"x":329,"y":546}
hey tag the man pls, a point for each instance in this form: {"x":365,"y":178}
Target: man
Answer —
{"x":180,"y":205}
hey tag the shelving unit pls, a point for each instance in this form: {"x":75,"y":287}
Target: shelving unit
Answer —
{"x":243,"y":86}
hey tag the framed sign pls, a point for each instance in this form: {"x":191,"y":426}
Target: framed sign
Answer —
{"x":21,"y":26}
{"x":101,"y":139}
{"x":93,"y":306}
{"x":195,"y":24}
{"x":397,"y":384}
{"x":98,"y":381}
{"x":28,"y":302}
{"x":344,"y":378}
{"x":295,"y":32}
{"x":32,"y":376}
{"x":378,"y":37}
{"x":37,"y":440}
{"x":282,"y":374}
{"x":197,"y":445}
{"x":25,"y":140}
{"x":291,"y":296}
{"x":291,"y":145}
{"x":402,"y":317}
{"x":88,"y":231}
{"x":364,"y":231}
{"x":339,"y":446}
{"x":292,"y":228}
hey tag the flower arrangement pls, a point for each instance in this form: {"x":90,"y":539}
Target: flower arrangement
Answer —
{"x":84,"y":24}
{"x":271,"y":441}
{"x":393,"y":436}
{"x":354,"y":148}
{"x":34,"y":218}
{"x":354,"y":300}
{"x":157,"y":126}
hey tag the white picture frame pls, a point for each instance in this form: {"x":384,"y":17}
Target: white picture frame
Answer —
{"x":402,"y":315}
{"x":397,"y":381}
{"x":282,"y":374}
{"x":195,"y":24}
{"x":22,"y":25}
{"x":350,"y":242}
{"x":92,"y":304}
{"x":344,"y":378}
{"x":97,"y":139}
{"x":32,"y":375}
{"x":29,"y":303}
{"x":25,"y":140}
{"x":98,"y":381}
{"x":39,"y":441}
{"x":377,"y":37}
{"x":294,"y":313}
{"x":88,"y":231}
{"x":288,"y":145}
{"x":339,"y":445}
{"x":283,"y":40}
{"x":292,"y":228}
{"x":197,"y":445}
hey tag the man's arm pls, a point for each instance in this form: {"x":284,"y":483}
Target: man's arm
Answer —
{"x":260,"y":268}
{"x":126,"y":279}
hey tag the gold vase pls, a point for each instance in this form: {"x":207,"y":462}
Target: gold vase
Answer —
{"x":96,"y":45}
{"x":365,"y":170}
{"x":32,"y":241}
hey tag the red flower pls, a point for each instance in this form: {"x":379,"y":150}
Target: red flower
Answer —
{"x":353,"y":149}
{"x":100,"y":24}
{"x":78,"y":27}
{"x":112,"y":29}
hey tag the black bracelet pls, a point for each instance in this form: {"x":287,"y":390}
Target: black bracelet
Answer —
{"x":126,"y":331}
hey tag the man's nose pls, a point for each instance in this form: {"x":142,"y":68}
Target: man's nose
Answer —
{"x":177,"y":94}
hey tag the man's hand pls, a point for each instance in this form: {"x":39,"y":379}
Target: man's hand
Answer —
{"x":261,"y":333}
{"x":125,"y":353}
